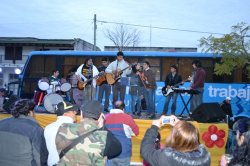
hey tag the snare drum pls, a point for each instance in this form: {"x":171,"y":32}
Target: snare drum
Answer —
{"x":43,"y":84}
{"x":51,"y":100}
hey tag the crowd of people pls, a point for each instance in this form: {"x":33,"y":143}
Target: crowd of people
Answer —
{"x":105,"y":139}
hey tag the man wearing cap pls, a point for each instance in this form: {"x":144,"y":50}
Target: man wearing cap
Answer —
{"x":115,"y":68}
{"x":124,"y":128}
{"x":226,"y":107}
{"x":66,"y":113}
{"x":96,"y":142}
{"x":172,"y":79}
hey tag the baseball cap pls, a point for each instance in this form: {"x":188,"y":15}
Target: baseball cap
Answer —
{"x":63,"y":107}
{"x":92,"y":109}
{"x":228,"y":98}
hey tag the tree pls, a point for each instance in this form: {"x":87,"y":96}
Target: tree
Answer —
{"x":123,"y":37}
{"x":233,"y":47}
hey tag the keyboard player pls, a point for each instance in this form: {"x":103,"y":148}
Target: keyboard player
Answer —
{"x":197,"y":83}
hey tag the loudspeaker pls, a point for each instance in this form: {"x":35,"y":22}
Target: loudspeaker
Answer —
{"x":208,"y":113}
{"x":7,"y":105}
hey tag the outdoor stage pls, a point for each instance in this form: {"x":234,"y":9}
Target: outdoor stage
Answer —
{"x":215,"y":140}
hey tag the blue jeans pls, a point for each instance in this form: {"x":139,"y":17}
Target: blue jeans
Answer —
{"x":168,"y":98}
{"x":118,"y":90}
{"x":196,"y":100}
{"x":104,"y":88}
{"x":149,"y":95}
{"x":135,"y":101}
{"x":119,"y":162}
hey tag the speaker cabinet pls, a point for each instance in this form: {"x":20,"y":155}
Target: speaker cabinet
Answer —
{"x":208,"y":113}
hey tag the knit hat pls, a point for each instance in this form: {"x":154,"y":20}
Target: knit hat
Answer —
{"x":228,"y":98}
{"x":63,"y":107}
{"x":92,"y":109}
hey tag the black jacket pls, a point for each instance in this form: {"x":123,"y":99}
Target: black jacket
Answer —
{"x":226,"y":107}
{"x":171,"y":81}
{"x":22,"y":142}
{"x":169,"y":156}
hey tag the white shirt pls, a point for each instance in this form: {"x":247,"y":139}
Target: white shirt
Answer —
{"x":50,"y":132}
{"x":119,"y":65}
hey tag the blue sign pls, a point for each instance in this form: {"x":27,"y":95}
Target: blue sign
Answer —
{"x":213,"y":92}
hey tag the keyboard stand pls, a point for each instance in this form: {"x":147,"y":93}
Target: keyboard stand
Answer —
{"x":185,"y":103}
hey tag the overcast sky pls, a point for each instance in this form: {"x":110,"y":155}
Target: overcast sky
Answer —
{"x":68,"y":19}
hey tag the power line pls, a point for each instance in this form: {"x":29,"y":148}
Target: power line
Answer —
{"x":155,"y":27}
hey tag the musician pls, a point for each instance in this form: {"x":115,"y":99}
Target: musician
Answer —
{"x":54,"y":76}
{"x":171,"y":80}
{"x":116,"y":67}
{"x":136,"y":89}
{"x":54,"y":81}
{"x":104,"y":87}
{"x":197,"y":83}
{"x":149,"y":88}
{"x":86,"y":75}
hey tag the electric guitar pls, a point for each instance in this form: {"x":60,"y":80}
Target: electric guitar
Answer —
{"x":166,"y":91}
{"x":81,"y":84}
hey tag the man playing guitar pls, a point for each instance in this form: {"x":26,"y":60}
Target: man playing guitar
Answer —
{"x":115,"y":68}
{"x":172,"y":79}
{"x":104,"y":87}
{"x":86,"y":75}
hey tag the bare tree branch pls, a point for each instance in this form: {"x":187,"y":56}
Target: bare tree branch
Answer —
{"x":122,"y":37}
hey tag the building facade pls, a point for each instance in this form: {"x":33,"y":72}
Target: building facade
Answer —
{"x":14,"y":52}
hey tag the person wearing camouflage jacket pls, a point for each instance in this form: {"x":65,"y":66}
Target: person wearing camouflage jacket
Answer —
{"x":95,"y":147}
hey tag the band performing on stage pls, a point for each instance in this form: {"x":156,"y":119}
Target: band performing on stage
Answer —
{"x":89,"y":82}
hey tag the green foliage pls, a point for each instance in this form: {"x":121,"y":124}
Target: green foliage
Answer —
{"x":233,"y":47}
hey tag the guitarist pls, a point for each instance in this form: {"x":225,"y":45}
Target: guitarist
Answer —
{"x":172,"y":79}
{"x":115,"y":67}
{"x":104,"y":87}
{"x":85,"y":72}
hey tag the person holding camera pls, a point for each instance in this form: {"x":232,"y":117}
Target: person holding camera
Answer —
{"x":182,"y":145}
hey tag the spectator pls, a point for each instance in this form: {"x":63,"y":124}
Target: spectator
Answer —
{"x":66,"y":113}
{"x":182,"y":146}
{"x":241,"y":154}
{"x":123,"y":127}
{"x":96,"y":144}
{"x":158,"y":145}
{"x":226,"y":107}
{"x":21,"y":138}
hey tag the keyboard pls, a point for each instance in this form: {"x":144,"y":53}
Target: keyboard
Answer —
{"x":189,"y":91}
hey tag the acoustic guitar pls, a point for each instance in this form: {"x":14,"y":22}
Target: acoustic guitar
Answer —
{"x":81,"y":84}
{"x":112,"y":78}
{"x":166,"y":91}
{"x":101,"y":79}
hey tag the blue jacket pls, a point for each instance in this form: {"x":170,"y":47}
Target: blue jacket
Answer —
{"x":22,"y":142}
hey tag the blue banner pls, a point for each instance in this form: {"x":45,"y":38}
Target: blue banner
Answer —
{"x":213,"y":92}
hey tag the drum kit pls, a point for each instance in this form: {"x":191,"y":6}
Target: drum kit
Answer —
{"x":50,"y":94}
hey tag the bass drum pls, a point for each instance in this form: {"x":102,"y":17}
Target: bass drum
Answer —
{"x":50,"y":101}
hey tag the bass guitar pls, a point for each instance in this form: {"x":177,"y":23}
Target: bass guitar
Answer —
{"x":166,"y":91}
{"x":81,"y":84}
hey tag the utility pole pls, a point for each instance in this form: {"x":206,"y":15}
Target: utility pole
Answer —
{"x":150,"y":37}
{"x":95,"y":27}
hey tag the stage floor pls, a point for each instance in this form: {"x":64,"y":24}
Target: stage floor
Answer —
{"x":215,"y":151}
